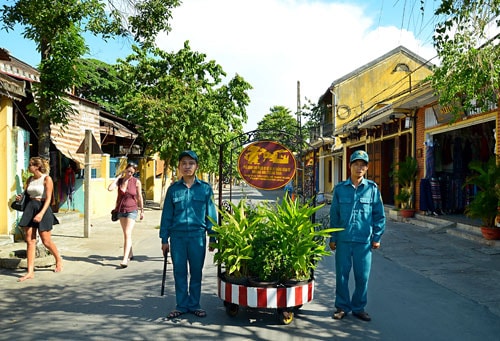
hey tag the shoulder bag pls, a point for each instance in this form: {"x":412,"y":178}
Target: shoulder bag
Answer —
{"x":115,"y":211}
{"x":20,"y":205}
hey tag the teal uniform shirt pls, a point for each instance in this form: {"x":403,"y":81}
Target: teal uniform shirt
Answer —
{"x":359,"y":211}
{"x":185,"y":210}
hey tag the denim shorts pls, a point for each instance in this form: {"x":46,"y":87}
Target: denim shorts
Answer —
{"x":130,"y":215}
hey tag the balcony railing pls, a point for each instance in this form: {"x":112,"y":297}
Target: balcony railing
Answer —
{"x":324,"y":130}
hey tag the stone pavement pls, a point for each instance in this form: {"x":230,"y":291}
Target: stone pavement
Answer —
{"x":93,"y":286}
{"x":105,"y":238}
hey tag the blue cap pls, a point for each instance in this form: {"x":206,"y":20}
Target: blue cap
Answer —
{"x":359,"y":155}
{"x":189,"y":153}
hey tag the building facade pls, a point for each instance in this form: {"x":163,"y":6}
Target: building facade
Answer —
{"x":362,"y":112}
{"x":114,"y":144}
{"x":388,"y":108}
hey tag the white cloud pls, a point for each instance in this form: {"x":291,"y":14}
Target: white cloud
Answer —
{"x":275,"y":43}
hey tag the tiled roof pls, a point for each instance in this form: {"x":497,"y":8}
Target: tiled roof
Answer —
{"x":13,"y":67}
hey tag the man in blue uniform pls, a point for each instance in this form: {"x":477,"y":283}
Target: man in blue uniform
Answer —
{"x":184,"y":221}
{"x":357,"y":208}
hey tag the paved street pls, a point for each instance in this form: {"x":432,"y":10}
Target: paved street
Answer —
{"x":424,"y":286}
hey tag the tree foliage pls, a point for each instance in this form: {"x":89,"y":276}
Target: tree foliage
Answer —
{"x":313,"y":115}
{"x":468,"y":78}
{"x":180,"y":102}
{"x":56,"y":27}
{"x":101,"y":84}
{"x":278,"y":121}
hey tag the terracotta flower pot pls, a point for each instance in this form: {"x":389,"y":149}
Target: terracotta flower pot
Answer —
{"x":407,"y":213}
{"x":491,"y":233}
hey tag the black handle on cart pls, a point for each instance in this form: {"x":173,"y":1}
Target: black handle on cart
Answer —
{"x":165,"y":256}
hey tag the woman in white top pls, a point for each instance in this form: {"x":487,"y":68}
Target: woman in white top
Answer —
{"x":38,"y":215}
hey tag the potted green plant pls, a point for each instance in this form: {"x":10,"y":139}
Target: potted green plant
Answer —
{"x":234,"y":240}
{"x":272,"y":242}
{"x":404,"y":174}
{"x":303,"y":242}
{"x":484,"y":205}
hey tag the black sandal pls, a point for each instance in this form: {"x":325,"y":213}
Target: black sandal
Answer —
{"x":199,"y":313}
{"x":174,"y":314}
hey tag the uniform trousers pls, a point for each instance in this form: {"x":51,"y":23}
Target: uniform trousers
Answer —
{"x":188,"y":257}
{"x":357,"y":256}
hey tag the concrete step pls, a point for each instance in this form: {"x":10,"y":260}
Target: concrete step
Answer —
{"x":65,"y":217}
{"x":473,"y":233}
{"x":457,"y":229}
{"x":6,"y":239}
{"x":433,"y":226}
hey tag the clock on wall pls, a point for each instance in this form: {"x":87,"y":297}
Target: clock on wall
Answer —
{"x":343,"y":111}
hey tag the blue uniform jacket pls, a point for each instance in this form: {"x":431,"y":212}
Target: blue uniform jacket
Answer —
{"x":185,"y":210}
{"x":359,"y":211}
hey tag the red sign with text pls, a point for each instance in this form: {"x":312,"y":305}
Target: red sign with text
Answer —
{"x":266,"y":165}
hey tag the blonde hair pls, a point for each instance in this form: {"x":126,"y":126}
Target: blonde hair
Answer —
{"x":41,"y":163}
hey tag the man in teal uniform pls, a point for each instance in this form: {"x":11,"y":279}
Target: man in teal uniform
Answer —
{"x":357,"y":208}
{"x":184,"y":222}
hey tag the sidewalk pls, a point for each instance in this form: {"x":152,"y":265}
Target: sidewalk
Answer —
{"x":424,"y":285}
{"x":464,"y":266}
{"x":105,"y":238}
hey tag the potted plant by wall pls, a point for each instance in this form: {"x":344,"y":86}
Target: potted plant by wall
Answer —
{"x":484,"y":205}
{"x":404,"y":174}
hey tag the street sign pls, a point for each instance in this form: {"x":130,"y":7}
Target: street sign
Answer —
{"x":266,"y":165}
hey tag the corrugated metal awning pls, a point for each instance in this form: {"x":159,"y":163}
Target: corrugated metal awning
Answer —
{"x":68,"y":138}
{"x":111,"y":127}
{"x":12,"y":88}
{"x":346,"y":128}
{"x":382,"y":115}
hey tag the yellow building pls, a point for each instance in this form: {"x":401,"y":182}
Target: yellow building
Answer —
{"x":360,"y":113}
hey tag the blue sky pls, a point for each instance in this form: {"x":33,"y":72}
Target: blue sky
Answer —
{"x":275,"y":43}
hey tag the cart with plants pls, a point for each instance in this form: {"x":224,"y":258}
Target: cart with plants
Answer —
{"x":266,"y":256}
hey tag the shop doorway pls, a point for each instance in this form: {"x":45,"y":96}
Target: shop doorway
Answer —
{"x":386,"y":160}
{"x":452,"y":152}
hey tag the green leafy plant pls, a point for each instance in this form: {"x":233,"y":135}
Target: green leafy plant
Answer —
{"x":486,"y":177}
{"x":404,"y":174}
{"x":234,"y":238}
{"x":273,"y":242}
{"x":302,"y":241}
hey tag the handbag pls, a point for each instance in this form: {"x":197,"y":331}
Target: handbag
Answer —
{"x":20,"y":205}
{"x":114,"y":215}
{"x":114,"y":212}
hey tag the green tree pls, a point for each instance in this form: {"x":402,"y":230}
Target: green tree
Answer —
{"x":469,"y":75}
{"x":280,"y":125}
{"x":57,"y":27}
{"x":180,"y":102}
{"x":101,"y":83}
{"x":313,"y":115}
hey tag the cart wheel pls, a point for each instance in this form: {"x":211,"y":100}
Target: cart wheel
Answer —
{"x":286,"y":317}
{"x":232,"y":309}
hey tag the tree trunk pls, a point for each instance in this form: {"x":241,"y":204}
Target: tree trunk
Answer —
{"x":44,"y":138}
{"x":44,"y":118}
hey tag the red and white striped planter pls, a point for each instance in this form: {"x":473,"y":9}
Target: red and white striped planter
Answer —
{"x":256,"y":297}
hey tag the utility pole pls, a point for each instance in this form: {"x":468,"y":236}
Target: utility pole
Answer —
{"x":299,"y":114}
{"x":300,"y":176}
{"x":88,"y":176}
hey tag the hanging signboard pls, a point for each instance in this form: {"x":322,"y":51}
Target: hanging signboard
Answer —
{"x":266,"y":165}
